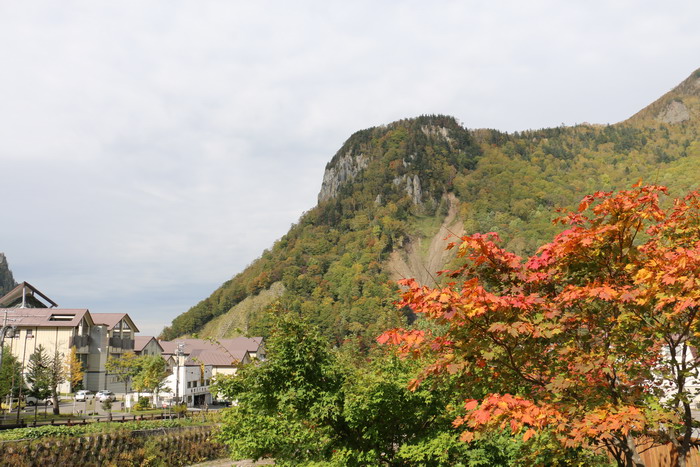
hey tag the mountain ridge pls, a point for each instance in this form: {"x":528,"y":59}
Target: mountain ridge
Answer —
{"x":388,"y":191}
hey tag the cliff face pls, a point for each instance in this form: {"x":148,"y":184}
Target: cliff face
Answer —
{"x":414,"y":157}
{"x":345,"y":170}
{"x":7,"y":282}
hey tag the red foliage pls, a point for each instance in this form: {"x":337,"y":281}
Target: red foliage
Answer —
{"x":578,"y":327}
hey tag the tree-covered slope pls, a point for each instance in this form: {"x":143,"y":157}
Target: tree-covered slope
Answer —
{"x":389,"y":187}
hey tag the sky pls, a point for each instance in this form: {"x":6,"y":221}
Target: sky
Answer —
{"x":150,"y":150}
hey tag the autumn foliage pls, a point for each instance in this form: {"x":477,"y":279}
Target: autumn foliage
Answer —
{"x":578,"y":340}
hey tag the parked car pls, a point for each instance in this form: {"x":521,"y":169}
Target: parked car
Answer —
{"x":84,"y":395}
{"x":13,"y":403}
{"x":31,"y":400}
{"x":104,"y":395}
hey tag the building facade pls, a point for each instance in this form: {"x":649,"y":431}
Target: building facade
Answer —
{"x":31,"y":319}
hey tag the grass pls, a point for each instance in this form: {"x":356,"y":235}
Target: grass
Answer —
{"x":92,"y":428}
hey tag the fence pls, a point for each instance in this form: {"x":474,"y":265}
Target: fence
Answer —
{"x":664,"y":455}
{"x":85,"y":421}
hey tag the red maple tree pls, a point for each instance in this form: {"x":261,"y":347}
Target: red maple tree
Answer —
{"x":578,"y":340}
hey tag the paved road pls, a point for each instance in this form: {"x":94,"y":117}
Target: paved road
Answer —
{"x":229,"y":462}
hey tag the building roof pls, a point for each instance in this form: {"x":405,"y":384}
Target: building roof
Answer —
{"x":46,"y":317}
{"x":112,"y":319}
{"x":225,"y":352}
{"x":14,"y":298}
{"x":142,"y":341}
{"x":210,"y":357}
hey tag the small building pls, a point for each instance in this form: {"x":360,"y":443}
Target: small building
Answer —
{"x":147,"y":345}
{"x":196,"y":362}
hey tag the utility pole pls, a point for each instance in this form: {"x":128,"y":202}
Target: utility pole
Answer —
{"x":2,"y":337}
{"x":178,"y":353}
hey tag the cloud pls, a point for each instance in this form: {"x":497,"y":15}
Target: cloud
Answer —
{"x":150,"y":150}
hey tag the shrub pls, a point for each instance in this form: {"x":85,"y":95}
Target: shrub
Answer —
{"x":144,"y":403}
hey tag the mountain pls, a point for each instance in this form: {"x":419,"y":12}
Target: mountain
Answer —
{"x":681,"y":104}
{"x":392,"y":193}
{"x":7,"y":282}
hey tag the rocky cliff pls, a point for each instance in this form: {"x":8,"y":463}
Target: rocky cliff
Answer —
{"x":7,"y":282}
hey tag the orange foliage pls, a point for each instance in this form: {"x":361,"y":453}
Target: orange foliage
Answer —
{"x":578,"y":328}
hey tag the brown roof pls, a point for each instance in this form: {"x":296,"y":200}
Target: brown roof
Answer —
{"x":142,"y":341}
{"x":112,"y":319}
{"x":30,"y":291}
{"x":210,"y":357}
{"x":224,"y":352}
{"x":45,"y":317}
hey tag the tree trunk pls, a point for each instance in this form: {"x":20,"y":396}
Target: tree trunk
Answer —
{"x":633,"y":459}
{"x":54,"y":403}
{"x":681,"y":445}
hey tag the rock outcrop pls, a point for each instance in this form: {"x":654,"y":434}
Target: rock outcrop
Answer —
{"x":7,"y":282}
{"x":343,"y":171}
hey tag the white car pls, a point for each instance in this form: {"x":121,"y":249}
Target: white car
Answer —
{"x":84,"y":395}
{"x":31,"y":400}
{"x":104,"y":395}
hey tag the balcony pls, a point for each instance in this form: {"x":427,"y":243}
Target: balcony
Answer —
{"x":80,"y":341}
{"x":123,"y":343}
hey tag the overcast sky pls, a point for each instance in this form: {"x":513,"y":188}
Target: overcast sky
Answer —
{"x":150,"y":150}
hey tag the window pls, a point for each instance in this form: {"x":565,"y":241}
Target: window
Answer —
{"x":30,"y":333}
{"x":194,"y":384}
{"x":61,"y":317}
{"x":189,"y":384}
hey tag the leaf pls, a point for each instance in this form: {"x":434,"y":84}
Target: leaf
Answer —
{"x":471,"y":404}
{"x":528,"y":434}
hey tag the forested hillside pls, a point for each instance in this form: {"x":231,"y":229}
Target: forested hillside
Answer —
{"x":7,"y":282}
{"x":390,"y":189}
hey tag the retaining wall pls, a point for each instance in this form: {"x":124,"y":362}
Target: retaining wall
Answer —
{"x":157,"y":447}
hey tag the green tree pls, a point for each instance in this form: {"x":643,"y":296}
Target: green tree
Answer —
{"x":124,"y":367}
{"x":292,"y":400}
{"x":150,"y":374}
{"x":39,"y":375}
{"x":10,"y":374}
{"x":307,"y":403}
{"x":57,"y":375}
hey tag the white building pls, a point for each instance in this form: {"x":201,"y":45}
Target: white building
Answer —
{"x":196,"y":362}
